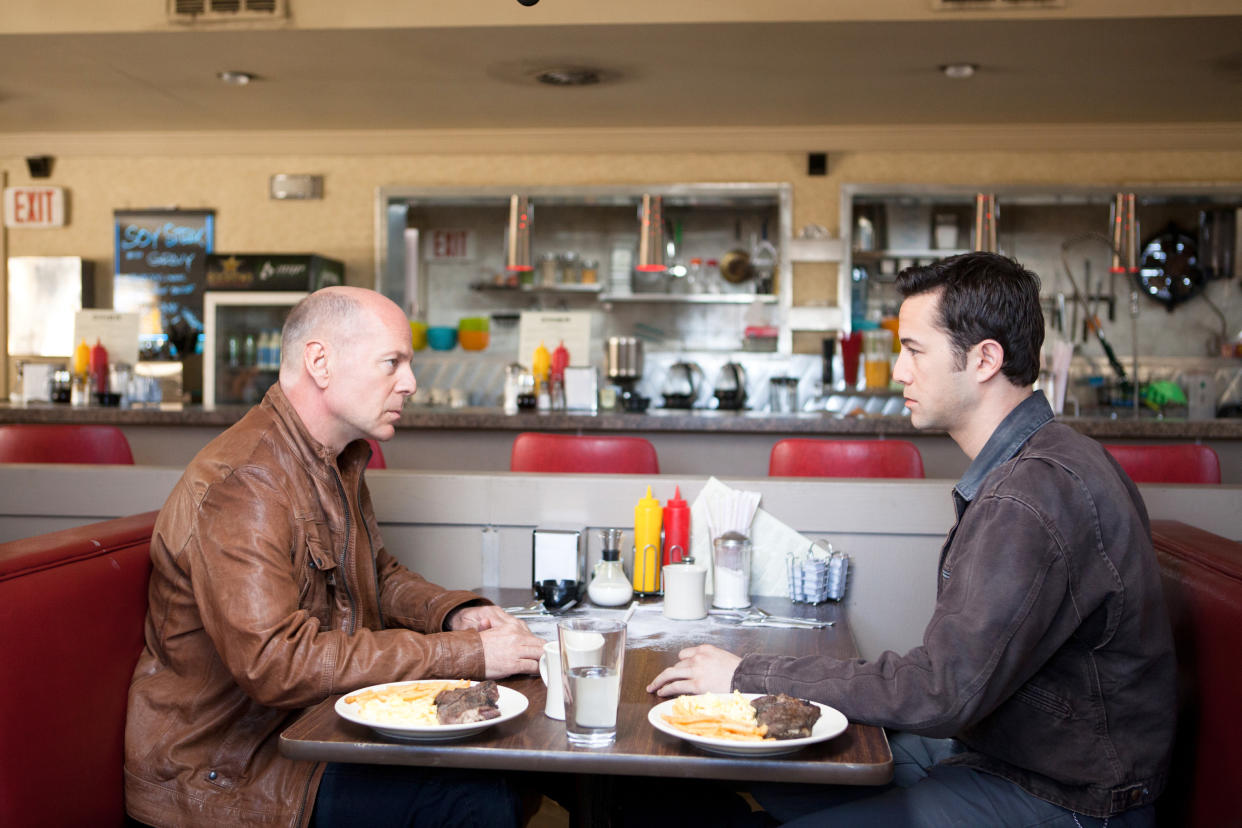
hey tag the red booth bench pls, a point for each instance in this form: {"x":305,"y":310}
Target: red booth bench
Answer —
{"x":72,"y":605}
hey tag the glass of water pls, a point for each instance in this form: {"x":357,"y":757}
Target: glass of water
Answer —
{"x":592,"y":655}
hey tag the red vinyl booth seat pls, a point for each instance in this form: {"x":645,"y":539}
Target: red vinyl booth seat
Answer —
{"x":582,"y":454}
{"x":72,"y":608}
{"x":377,"y":456}
{"x":1175,"y":463}
{"x":799,"y":457}
{"x":64,"y":444}
{"x":1202,"y":578}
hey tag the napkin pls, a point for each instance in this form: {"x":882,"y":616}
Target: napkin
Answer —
{"x":719,"y":509}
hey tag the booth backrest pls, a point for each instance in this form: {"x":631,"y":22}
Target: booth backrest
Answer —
{"x":811,"y":457}
{"x":582,"y":454}
{"x":1170,"y":463}
{"x":72,"y":605}
{"x":1202,"y":575}
{"x":64,"y":443}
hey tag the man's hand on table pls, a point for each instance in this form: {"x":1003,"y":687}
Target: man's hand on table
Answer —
{"x":509,"y":647}
{"x":701,"y":669}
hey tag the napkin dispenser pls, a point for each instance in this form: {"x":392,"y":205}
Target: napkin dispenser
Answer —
{"x":557,"y":565}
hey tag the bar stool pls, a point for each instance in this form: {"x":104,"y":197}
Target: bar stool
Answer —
{"x":797,"y":457}
{"x":1172,"y":463}
{"x":64,"y":444}
{"x":582,"y":454}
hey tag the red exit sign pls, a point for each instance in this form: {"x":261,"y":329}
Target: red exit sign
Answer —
{"x":34,"y":207}
{"x":450,"y":244}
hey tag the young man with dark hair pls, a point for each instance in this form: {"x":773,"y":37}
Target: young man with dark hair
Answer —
{"x":1044,"y":688}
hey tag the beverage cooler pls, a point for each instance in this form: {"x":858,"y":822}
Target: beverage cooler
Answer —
{"x":241,"y":349}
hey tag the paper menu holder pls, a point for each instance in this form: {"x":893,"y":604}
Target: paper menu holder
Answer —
{"x":771,"y":539}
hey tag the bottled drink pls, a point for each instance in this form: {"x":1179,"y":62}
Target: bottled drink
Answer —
{"x":250,"y":350}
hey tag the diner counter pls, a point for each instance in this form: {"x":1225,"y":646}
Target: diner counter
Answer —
{"x":655,"y":420}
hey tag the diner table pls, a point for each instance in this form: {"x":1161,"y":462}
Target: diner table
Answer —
{"x":534,"y":742}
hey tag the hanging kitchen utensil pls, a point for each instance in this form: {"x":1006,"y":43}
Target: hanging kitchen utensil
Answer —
{"x":1169,"y":271}
{"x":736,"y":268}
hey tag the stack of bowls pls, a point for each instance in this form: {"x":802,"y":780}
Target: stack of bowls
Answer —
{"x":473,"y":332}
{"x":418,"y":334}
{"x":442,"y":338}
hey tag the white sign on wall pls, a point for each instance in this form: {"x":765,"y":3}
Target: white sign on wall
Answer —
{"x":551,"y":328}
{"x":34,"y":207}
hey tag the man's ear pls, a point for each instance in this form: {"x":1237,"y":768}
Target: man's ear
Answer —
{"x":315,"y":359}
{"x":987,"y":356}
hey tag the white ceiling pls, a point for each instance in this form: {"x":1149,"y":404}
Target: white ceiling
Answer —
{"x":1165,"y":70}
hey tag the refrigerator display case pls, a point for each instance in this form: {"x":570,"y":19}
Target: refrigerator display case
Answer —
{"x":241,"y":346}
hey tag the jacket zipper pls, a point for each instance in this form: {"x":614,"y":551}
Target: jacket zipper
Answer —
{"x":349,"y":593}
{"x":379,"y":609}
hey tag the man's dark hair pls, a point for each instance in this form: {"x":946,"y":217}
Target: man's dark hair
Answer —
{"x":985,"y":296}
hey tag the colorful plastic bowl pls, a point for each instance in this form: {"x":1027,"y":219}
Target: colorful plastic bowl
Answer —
{"x":442,"y":338}
{"x":473,"y":340}
{"x":418,"y":335}
{"x":473,"y":323}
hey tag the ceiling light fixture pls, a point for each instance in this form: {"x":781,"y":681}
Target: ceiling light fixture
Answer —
{"x":569,"y":76}
{"x":233,"y":78}
{"x":958,"y":71}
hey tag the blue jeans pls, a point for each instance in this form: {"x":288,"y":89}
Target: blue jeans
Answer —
{"x":929,"y":795}
{"x":379,"y":796}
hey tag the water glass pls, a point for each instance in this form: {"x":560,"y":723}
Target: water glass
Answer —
{"x":592,"y":656}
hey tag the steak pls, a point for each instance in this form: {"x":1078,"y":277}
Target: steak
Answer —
{"x":476,"y":703}
{"x":785,"y":716}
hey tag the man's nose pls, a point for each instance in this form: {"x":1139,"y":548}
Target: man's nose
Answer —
{"x":407,"y":385}
{"x":901,"y":368}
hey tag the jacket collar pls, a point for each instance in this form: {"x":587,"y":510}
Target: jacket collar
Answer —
{"x":314,"y":452}
{"x":1027,"y":417}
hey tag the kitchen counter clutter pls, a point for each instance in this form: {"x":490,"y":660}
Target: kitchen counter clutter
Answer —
{"x":653,"y":420}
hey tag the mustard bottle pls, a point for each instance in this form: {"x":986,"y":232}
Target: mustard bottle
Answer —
{"x":82,"y":359}
{"x":540,"y":365}
{"x":647,"y":517}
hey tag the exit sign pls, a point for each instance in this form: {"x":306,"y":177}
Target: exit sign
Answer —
{"x":34,"y":207}
{"x":450,"y":245}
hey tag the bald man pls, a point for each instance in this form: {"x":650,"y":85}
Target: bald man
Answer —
{"x":271,"y":590}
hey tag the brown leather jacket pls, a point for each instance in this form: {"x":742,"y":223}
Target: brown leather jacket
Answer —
{"x":270,"y":590}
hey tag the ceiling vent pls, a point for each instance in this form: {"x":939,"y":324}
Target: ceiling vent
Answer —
{"x":225,"y":11}
{"x":995,"y":5}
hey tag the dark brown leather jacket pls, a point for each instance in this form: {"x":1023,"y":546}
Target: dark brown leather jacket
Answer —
{"x":270,"y":590}
{"x":1049,"y":653}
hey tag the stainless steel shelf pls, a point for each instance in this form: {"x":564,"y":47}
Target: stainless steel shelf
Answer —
{"x":692,"y":298}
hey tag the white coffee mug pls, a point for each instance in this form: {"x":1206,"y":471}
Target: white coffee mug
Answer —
{"x":685,"y":591}
{"x":585,"y":648}
{"x":550,"y":672}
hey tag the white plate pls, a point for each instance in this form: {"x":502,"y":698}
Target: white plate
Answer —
{"x":511,"y":704}
{"x":831,"y":723}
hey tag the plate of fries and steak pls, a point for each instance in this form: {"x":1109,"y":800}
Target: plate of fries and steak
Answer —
{"x":747,"y":724}
{"x":431,"y":710}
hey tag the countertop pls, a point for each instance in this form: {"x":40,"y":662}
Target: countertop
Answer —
{"x":658,"y":420}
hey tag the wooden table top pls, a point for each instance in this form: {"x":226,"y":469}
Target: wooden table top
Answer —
{"x":532,"y":741}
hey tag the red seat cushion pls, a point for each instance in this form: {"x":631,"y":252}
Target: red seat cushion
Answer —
{"x":64,"y":444}
{"x":1176,"y":463}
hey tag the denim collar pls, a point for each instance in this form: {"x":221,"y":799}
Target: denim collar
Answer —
{"x":1028,"y":417}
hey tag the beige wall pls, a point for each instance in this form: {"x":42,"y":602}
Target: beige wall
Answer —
{"x":342,"y":225}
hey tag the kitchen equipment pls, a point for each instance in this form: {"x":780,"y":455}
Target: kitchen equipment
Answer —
{"x":1169,"y":271}
{"x":442,"y":338}
{"x":736,"y":268}
{"x":783,"y":395}
{"x":730,"y":387}
{"x":682,"y":385}
{"x":550,"y":672}
{"x":877,"y":353}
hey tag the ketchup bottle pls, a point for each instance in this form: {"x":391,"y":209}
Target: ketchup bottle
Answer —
{"x":676,"y":528}
{"x":99,"y":367}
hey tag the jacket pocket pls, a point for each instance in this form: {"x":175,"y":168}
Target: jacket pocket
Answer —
{"x":317,"y":593}
{"x":1045,"y":700}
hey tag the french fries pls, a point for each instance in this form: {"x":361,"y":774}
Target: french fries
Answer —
{"x":405,"y":704}
{"x":718,"y":717}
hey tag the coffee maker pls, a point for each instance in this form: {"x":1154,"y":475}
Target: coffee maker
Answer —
{"x":623,"y":366}
{"x":730,"y":388}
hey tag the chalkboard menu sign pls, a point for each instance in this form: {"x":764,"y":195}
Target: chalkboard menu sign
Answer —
{"x":160,"y":266}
